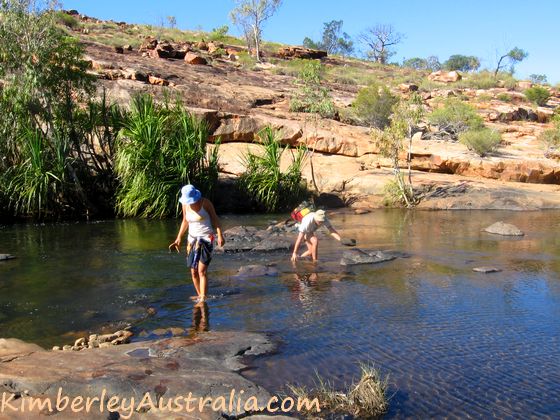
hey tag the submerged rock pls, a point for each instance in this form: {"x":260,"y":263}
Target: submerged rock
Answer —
{"x":250,"y":238}
{"x":256,"y":271}
{"x":359,"y":256}
{"x":486,"y":270}
{"x":505,"y":229}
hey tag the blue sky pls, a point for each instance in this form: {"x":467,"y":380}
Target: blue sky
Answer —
{"x":431,"y":27}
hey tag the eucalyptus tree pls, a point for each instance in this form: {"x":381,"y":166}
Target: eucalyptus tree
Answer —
{"x":380,"y":39}
{"x":512,"y":57}
{"x":250,"y":16}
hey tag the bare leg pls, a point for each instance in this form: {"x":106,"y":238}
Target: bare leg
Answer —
{"x":195,"y":280}
{"x":309,"y":248}
{"x":314,"y":247}
{"x":202,"y":269}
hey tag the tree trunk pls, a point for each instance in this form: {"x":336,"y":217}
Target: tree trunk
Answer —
{"x":257,"y":49}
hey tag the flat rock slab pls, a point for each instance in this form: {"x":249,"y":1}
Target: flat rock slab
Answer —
{"x":249,"y":238}
{"x":206,"y":366}
{"x":487,"y":270}
{"x":4,"y":257}
{"x":357,"y":256}
{"x":248,"y":271}
{"x":505,"y":229}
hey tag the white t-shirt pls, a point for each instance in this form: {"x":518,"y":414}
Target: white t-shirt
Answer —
{"x":309,"y":226}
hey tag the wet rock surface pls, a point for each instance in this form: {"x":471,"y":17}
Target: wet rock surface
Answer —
{"x":357,"y":256}
{"x":277,"y":237}
{"x":504,"y":229}
{"x":486,"y":270}
{"x":206,"y":365}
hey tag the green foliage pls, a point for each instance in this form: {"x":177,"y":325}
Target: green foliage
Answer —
{"x":480,"y":80}
{"x":455,"y":117}
{"x":67,"y":20}
{"x":36,"y":184}
{"x":49,"y":166}
{"x":312,"y":97}
{"x":512,"y":57}
{"x":162,"y":147}
{"x":539,"y":79}
{"x":423,"y":64}
{"x":333,"y":41}
{"x":373,"y":106}
{"x":538,"y":95}
{"x":219,"y":34}
{"x":482,"y":140}
{"x":406,"y":114}
{"x":551,"y":140}
{"x":265,"y":183}
{"x":462,"y":63}
{"x":246,"y":60}
{"x":504,"y":97}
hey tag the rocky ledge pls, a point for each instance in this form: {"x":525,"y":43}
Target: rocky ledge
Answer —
{"x":206,"y":366}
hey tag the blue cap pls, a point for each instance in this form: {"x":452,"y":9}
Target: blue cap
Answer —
{"x":189,"y":195}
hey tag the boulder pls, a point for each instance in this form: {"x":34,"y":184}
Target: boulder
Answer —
{"x":524,"y":84}
{"x":155,"y":80}
{"x":248,"y":271}
{"x":486,"y":270}
{"x":408,"y":87}
{"x":11,"y":347}
{"x":501,"y":228}
{"x":192,"y":58}
{"x":300,"y":52}
{"x":357,"y":256}
{"x":445,"y":76}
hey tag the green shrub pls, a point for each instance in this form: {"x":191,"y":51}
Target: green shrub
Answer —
{"x":264,"y":182}
{"x":373,"y":106}
{"x":67,"y":20}
{"x":482,"y":140}
{"x":481,"y":80}
{"x":550,"y":140}
{"x":246,"y":60}
{"x":219,"y":34}
{"x":456,"y":117}
{"x":485,"y":97}
{"x":538,"y":95}
{"x":312,"y":96}
{"x":162,"y":147}
{"x":504,"y":97}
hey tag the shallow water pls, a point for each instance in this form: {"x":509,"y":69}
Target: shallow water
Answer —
{"x":454,"y":343}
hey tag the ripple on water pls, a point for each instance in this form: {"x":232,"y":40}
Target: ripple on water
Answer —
{"x":454,"y":343}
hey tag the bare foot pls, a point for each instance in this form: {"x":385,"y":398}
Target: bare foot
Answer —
{"x":194,"y":298}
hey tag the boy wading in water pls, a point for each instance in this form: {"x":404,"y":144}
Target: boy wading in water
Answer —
{"x":200,"y":218}
{"x":309,"y":224}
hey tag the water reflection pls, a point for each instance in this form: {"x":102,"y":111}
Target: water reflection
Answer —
{"x":454,"y":342}
{"x":200,"y":318}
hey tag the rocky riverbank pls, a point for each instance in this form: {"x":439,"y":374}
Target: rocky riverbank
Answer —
{"x":206,"y":366}
{"x":237,"y":102}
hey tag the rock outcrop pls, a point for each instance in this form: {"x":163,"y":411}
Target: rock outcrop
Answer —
{"x":301,"y":53}
{"x":505,"y":229}
{"x":204,"y":366}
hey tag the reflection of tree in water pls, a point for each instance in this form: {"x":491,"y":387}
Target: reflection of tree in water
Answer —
{"x":200,"y":318}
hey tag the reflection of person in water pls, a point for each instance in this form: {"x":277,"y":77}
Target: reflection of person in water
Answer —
{"x":303,"y":283}
{"x":200,"y":320}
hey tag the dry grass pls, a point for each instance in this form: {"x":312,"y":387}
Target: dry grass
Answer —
{"x":365,"y":399}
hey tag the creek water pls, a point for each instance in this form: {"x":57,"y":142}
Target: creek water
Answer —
{"x":453,"y":342}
